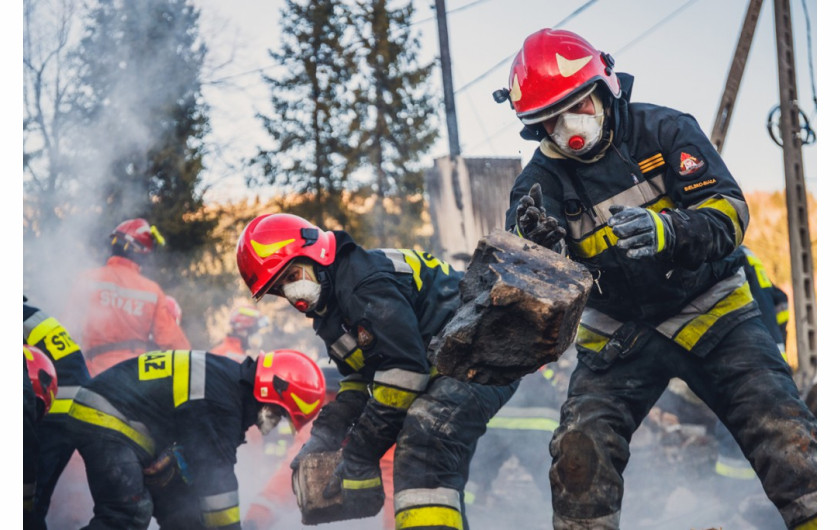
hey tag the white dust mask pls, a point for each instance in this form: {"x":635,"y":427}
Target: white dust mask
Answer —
{"x":575,"y":134}
{"x":303,"y":294}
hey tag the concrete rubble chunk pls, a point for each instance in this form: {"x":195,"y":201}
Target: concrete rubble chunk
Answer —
{"x":520,"y":307}
{"x":308,"y":483}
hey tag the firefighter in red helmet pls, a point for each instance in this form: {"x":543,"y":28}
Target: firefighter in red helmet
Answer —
{"x":376,"y":311}
{"x":637,"y":193}
{"x":245,"y":323}
{"x":120,"y":312}
{"x":40,"y":385}
{"x":159,"y":433}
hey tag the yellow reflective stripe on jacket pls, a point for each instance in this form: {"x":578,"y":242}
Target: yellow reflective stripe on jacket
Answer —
{"x":728,"y":207}
{"x":592,"y":245}
{"x":694,"y":330}
{"x":396,"y":398}
{"x":430,"y":516}
{"x":586,"y":338}
{"x":96,"y":417}
{"x":60,"y":406}
{"x":350,"y":484}
{"x":221,"y":518}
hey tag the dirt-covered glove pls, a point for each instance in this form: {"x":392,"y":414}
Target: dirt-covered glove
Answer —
{"x":360,"y":484}
{"x":641,"y":233}
{"x":534,"y":224}
{"x":315,"y":444}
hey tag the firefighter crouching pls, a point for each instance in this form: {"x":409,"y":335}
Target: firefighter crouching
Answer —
{"x":641,"y":197}
{"x":158,"y":433}
{"x":121,"y":313}
{"x":376,"y":311}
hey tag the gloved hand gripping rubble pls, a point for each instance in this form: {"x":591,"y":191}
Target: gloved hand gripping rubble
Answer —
{"x":534,"y":224}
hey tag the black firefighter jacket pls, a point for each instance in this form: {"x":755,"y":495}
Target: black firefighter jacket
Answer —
{"x":200,"y":401}
{"x":384,"y":308}
{"x":658,"y":159}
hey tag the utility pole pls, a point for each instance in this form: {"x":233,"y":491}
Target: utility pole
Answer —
{"x":802,"y":270}
{"x":448,"y":91}
{"x":736,"y":71}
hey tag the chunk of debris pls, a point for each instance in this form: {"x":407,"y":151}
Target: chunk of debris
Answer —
{"x":520,"y":307}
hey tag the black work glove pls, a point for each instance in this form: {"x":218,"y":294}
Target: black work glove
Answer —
{"x":641,"y":232}
{"x":315,"y":444}
{"x":360,"y":484}
{"x":534,"y":224}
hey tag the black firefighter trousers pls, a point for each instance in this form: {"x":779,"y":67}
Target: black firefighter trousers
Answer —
{"x":743,"y":380}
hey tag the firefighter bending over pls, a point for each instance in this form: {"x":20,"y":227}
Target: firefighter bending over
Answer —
{"x":158,"y":433}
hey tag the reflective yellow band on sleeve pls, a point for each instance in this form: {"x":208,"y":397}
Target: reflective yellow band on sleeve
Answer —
{"x":221,"y":517}
{"x":356,"y":360}
{"x":722,"y":205}
{"x":430,"y":517}
{"x":56,"y":340}
{"x":350,"y":484}
{"x":352,"y":386}
{"x":660,"y":231}
{"x":782,"y":317}
{"x":737,"y":472}
{"x":393,"y":397}
{"x":99,"y":418}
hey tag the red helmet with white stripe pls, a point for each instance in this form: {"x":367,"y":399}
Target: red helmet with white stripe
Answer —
{"x":271,"y":241}
{"x":554,"y":70}
{"x":293,"y":381}
{"x":42,"y":374}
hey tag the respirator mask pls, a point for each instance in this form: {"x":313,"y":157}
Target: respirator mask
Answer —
{"x":575,"y":134}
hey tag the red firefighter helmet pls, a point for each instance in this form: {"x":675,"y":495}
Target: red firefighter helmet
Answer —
{"x":554,"y":70}
{"x":245,"y":320}
{"x":42,"y":374}
{"x":137,"y":236}
{"x":175,"y":308}
{"x":292,"y":380}
{"x":271,"y":241}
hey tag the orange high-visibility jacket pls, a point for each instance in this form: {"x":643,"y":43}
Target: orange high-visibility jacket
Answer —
{"x":230,"y":347}
{"x":123,"y":315}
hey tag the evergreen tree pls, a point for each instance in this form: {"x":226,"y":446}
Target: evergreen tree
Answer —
{"x":311,"y":116}
{"x":397,"y":118}
{"x":144,"y":116}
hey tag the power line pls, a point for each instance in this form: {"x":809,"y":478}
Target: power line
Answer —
{"x":449,"y":12}
{"x":654,"y":27}
{"x":507,"y":59}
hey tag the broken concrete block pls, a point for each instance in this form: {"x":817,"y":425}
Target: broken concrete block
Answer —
{"x":520,"y":307}
{"x":308,"y":483}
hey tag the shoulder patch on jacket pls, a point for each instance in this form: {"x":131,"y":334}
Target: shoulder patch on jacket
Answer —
{"x":688,"y":163}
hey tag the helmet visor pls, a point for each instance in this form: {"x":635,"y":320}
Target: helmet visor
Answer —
{"x":565,"y":104}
